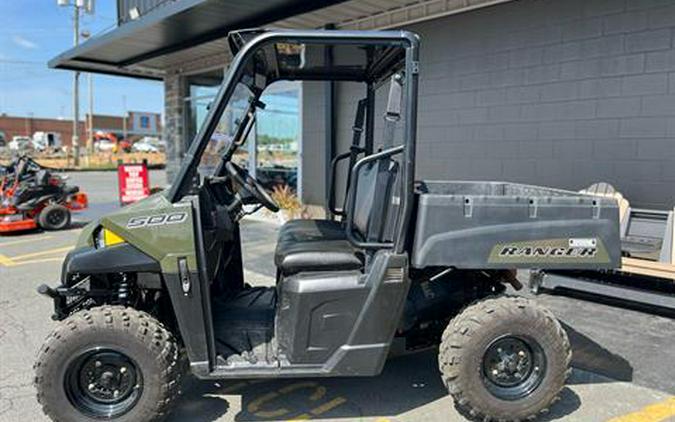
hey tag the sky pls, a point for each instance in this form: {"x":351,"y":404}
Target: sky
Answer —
{"x":34,"y":31}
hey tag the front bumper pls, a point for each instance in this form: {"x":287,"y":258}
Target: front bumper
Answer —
{"x":13,"y":222}
{"x":69,"y":293}
{"x":60,"y":297}
{"x":80,"y":270}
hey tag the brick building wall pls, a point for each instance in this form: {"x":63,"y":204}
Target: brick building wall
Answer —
{"x":561,"y":93}
{"x":26,"y":126}
{"x":108,"y":123}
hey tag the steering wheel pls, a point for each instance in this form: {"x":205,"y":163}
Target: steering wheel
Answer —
{"x":251,"y":185}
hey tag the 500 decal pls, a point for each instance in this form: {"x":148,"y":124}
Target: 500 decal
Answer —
{"x":156,"y":220}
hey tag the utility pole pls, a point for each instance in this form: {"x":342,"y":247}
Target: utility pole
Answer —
{"x":90,"y":137}
{"x":26,"y":124}
{"x":87,"y":6}
{"x":76,"y":90}
{"x":90,"y":119}
{"x":85,"y":34}
{"x":124,"y":117}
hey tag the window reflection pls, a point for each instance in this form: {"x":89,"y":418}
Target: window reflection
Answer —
{"x":271,"y":151}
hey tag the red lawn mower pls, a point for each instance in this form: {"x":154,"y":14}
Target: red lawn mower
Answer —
{"x":31,"y":197}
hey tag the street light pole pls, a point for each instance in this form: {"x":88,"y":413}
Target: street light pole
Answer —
{"x":89,"y":120}
{"x":124,"y":118}
{"x":78,"y":6}
{"x":76,"y":90}
{"x":90,"y":137}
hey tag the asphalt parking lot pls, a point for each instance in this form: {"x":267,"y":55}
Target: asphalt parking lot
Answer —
{"x":623,"y":359}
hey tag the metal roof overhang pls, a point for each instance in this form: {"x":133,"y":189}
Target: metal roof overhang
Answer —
{"x":189,"y":35}
{"x":126,"y":49}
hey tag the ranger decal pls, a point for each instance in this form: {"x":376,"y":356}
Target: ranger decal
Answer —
{"x":550,"y":251}
{"x":528,"y":251}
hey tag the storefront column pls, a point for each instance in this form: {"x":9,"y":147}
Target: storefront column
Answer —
{"x":175,"y":91}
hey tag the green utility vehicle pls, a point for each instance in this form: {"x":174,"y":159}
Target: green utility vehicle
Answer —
{"x":158,"y":286}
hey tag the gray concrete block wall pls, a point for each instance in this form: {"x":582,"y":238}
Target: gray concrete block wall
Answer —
{"x":554,"y":92}
{"x":313,"y":143}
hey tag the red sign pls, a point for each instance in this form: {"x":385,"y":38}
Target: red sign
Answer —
{"x":133,"y":182}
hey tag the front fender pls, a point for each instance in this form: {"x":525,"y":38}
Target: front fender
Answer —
{"x":113,"y":259}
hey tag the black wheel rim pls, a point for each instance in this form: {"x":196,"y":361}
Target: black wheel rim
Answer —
{"x":103,"y":383}
{"x":56,"y":217}
{"x":513,"y":367}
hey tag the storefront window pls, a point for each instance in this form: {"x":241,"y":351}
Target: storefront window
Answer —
{"x":199,"y":103}
{"x":272,"y":149}
{"x":277,"y":135}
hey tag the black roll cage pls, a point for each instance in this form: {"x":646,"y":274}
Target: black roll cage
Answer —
{"x":374,"y":73}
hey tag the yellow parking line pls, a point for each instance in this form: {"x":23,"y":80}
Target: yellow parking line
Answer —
{"x":41,"y":253}
{"x":39,"y":261}
{"x":22,"y":259}
{"x":302,"y":417}
{"x":338,"y":401}
{"x":653,"y":413}
{"x":255,"y":405}
{"x":6,"y":261}
{"x":18,"y":242}
{"x":319,"y":410}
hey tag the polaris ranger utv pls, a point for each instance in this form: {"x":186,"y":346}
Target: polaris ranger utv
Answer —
{"x":410,"y":264}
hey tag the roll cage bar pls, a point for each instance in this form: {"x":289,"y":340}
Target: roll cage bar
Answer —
{"x":389,"y":52}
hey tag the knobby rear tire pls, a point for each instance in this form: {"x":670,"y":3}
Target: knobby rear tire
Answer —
{"x":54,"y":217}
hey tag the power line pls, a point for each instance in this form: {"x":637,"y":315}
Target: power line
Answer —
{"x":31,"y":62}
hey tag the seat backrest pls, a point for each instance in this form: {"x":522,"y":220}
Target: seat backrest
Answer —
{"x":374,"y":191}
{"x":42,"y":178}
{"x":378,"y":184}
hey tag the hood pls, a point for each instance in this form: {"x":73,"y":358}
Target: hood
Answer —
{"x":86,"y":238}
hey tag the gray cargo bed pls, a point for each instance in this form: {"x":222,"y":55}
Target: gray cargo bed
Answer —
{"x":510,"y":225}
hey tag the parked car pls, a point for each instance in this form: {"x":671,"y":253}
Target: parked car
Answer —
{"x":156,"y":142}
{"x":43,"y":141}
{"x":144,"y":146}
{"x":20,"y":143}
{"x":105,"y":145}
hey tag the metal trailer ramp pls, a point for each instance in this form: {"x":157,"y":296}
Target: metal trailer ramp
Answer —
{"x":616,"y":285}
{"x":647,"y":273}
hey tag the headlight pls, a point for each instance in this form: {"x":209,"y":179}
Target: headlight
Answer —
{"x":105,"y":237}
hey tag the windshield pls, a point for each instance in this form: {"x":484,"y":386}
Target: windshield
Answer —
{"x":282,"y":56}
{"x":227,"y":128}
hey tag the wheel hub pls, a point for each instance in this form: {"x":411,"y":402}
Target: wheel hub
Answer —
{"x":55,"y":216}
{"x":512,"y":367}
{"x":103,"y":383}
